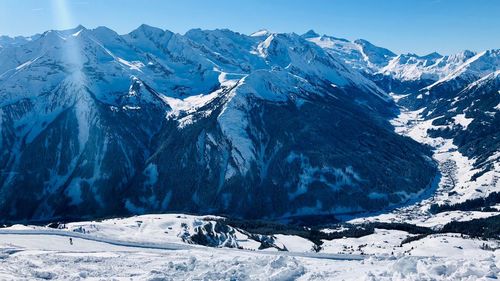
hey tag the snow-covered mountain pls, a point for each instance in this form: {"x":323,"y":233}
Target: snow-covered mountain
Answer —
{"x":6,"y":41}
{"x":357,"y":160}
{"x":271,"y":125}
{"x":472,"y":69}
{"x":407,"y":72}
{"x":376,"y":61}
{"x":410,"y":67}
{"x":359,"y":54}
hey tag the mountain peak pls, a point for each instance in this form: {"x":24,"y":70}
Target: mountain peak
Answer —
{"x":148,"y":31}
{"x":260,"y":33}
{"x":362,"y":42}
{"x":468,"y":53}
{"x":367,"y":45}
{"x":74,"y":30}
{"x":80,"y":27}
{"x":432,"y":56}
{"x":310,"y":34}
{"x":145,"y":28}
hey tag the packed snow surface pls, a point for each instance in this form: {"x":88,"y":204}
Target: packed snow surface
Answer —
{"x":120,"y":249}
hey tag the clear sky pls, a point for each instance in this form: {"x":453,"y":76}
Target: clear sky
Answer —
{"x":416,"y":26}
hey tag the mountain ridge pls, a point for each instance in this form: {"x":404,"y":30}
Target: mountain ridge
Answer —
{"x":209,"y":121}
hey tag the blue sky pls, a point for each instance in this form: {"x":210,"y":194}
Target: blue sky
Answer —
{"x":417,"y":26}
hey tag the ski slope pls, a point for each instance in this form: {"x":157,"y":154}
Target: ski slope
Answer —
{"x":40,"y":253}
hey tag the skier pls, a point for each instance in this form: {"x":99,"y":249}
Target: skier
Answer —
{"x":71,"y":241}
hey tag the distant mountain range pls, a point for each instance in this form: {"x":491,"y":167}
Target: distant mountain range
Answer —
{"x":268,"y":125}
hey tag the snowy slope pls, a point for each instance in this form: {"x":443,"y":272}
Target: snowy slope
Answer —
{"x":25,"y":258}
{"x":132,"y":248}
{"x":360,"y":54}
